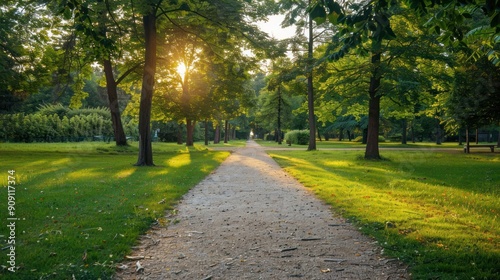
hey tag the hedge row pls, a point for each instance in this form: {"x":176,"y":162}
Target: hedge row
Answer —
{"x":298,"y":137}
{"x":40,"y":127}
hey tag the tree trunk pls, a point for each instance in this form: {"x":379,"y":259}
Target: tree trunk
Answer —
{"x":477,"y":135}
{"x":145,"y":157}
{"x":179,"y":134}
{"x":206,"y":132}
{"x":111,"y":88}
{"x":278,"y":132}
{"x":217,"y":135}
{"x":467,"y":140}
{"x":190,"y":132}
{"x":310,"y":92}
{"x":498,"y":139}
{"x":438,"y":132}
{"x":412,"y":131}
{"x":372,"y":149}
{"x":404,"y":135}
{"x":226,"y":132}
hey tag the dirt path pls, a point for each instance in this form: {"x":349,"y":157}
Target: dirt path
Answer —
{"x":251,"y":220}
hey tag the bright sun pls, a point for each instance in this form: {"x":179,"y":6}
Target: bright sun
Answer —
{"x":181,"y":70}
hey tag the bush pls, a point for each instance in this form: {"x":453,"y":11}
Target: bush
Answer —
{"x":299,"y":137}
{"x":48,"y":125}
{"x":359,"y":139}
{"x":100,"y":111}
{"x":269,"y":137}
{"x":51,"y":109}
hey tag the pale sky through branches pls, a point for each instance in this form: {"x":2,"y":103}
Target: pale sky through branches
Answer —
{"x":274,"y":29}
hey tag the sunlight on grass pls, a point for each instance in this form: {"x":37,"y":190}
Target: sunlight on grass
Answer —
{"x":63,"y":161}
{"x":90,"y":201}
{"x":179,"y":160}
{"x":338,"y":163}
{"x":423,"y":207}
{"x":125,"y":173}
{"x":84,"y":174}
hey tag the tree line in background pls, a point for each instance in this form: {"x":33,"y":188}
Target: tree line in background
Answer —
{"x":191,"y":70}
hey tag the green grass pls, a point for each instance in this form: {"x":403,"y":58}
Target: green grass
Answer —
{"x":83,"y":205}
{"x":347,"y":144}
{"x":231,"y":143}
{"x":438,"y":212}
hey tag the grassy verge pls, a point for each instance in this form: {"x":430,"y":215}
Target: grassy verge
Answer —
{"x":83,"y":205}
{"x":346,"y":144}
{"x":438,"y":212}
{"x":231,"y":143}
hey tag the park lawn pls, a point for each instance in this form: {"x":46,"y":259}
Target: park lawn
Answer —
{"x":437,"y":212}
{"x":82,"y":206}
{"x":230,"y":143}
{"x":335,"y":144}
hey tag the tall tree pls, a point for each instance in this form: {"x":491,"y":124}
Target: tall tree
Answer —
{"x":297,"y":14}
{"x":310,"y":89}
{"x":364,"y":21}
{"x":394,"y":57}
{"x":145,"y":157}
{"x":100,"y":34}
{"x":217,"y":42}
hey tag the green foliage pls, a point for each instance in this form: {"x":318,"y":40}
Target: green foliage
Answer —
{"x":87,"y":198}
{"x":100,"y":111}
{"x":50,"y":109}
{"x":25,"y":58}
{"x":442,"y":207}
{"x":56,"y":123}
{"x":359,"y":139}
{"x":475,"y":97}
{"x":299,"y":137}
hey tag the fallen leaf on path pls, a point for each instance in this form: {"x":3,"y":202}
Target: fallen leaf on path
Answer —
{"x":140,"y":268}
{"x":134,"y":258}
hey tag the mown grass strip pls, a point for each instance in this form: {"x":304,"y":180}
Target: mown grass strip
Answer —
{"x":335,"y":144}
{"x":438,"y":212}
{"x":83,"y":205}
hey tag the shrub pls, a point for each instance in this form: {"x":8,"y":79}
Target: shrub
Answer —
{"x":299,"y":137}
{"x":269,"y":137}
{"x":359,"y":139}
{"x":50,"y":109}
{"x":103,"y":112}
{"x":55,"y":123}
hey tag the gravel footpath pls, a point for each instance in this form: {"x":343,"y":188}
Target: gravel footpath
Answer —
{"x":250,"y":220}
